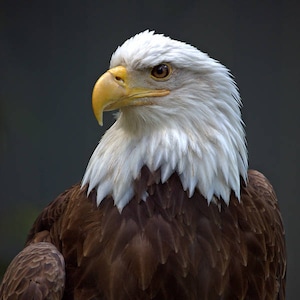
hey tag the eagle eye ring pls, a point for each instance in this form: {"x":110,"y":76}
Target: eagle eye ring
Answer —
{"x":161,"y":71}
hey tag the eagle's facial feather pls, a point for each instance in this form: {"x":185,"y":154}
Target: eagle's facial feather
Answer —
{"x":195,"y":130}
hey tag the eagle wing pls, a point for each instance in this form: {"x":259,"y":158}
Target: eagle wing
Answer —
{"x":263,"y":230}
{"x":38,"y":270}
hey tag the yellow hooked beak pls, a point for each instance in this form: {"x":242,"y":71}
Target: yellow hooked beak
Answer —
{"x":114,"y":89}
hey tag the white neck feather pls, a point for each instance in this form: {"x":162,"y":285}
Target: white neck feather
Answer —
{"x":210,"y":162}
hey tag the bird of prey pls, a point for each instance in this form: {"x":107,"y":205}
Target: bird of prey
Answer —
{"x":167,"y":208}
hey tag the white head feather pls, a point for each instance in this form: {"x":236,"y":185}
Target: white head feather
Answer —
{"x":195,"y":131}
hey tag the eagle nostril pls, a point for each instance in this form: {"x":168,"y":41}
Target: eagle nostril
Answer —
{"x":119,"y":78}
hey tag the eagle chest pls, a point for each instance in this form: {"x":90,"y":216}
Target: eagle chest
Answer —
{"x":167,"y":247}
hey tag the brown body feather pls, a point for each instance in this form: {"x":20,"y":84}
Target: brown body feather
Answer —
{"x":37,"y":272}
{"x":167,"y":247}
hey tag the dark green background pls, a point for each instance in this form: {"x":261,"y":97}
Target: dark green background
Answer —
{"x":51,"y":53}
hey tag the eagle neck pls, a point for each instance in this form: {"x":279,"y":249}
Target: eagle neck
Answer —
{"x":119,"y":157}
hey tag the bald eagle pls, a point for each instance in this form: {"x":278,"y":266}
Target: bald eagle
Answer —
{"x":167,"y":208}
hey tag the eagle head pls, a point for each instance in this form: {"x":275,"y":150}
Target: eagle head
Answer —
{"x":179,"y":111}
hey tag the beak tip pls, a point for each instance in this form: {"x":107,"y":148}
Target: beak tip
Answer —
{"x":99,"y":118}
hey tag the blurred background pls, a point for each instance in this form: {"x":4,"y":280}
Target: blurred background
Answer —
{"x":52,"y":52}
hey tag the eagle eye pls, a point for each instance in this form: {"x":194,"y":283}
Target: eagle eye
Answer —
{"x":161,"y":71}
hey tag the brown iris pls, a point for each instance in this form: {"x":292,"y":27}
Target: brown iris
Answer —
{"x":161,"y":71}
